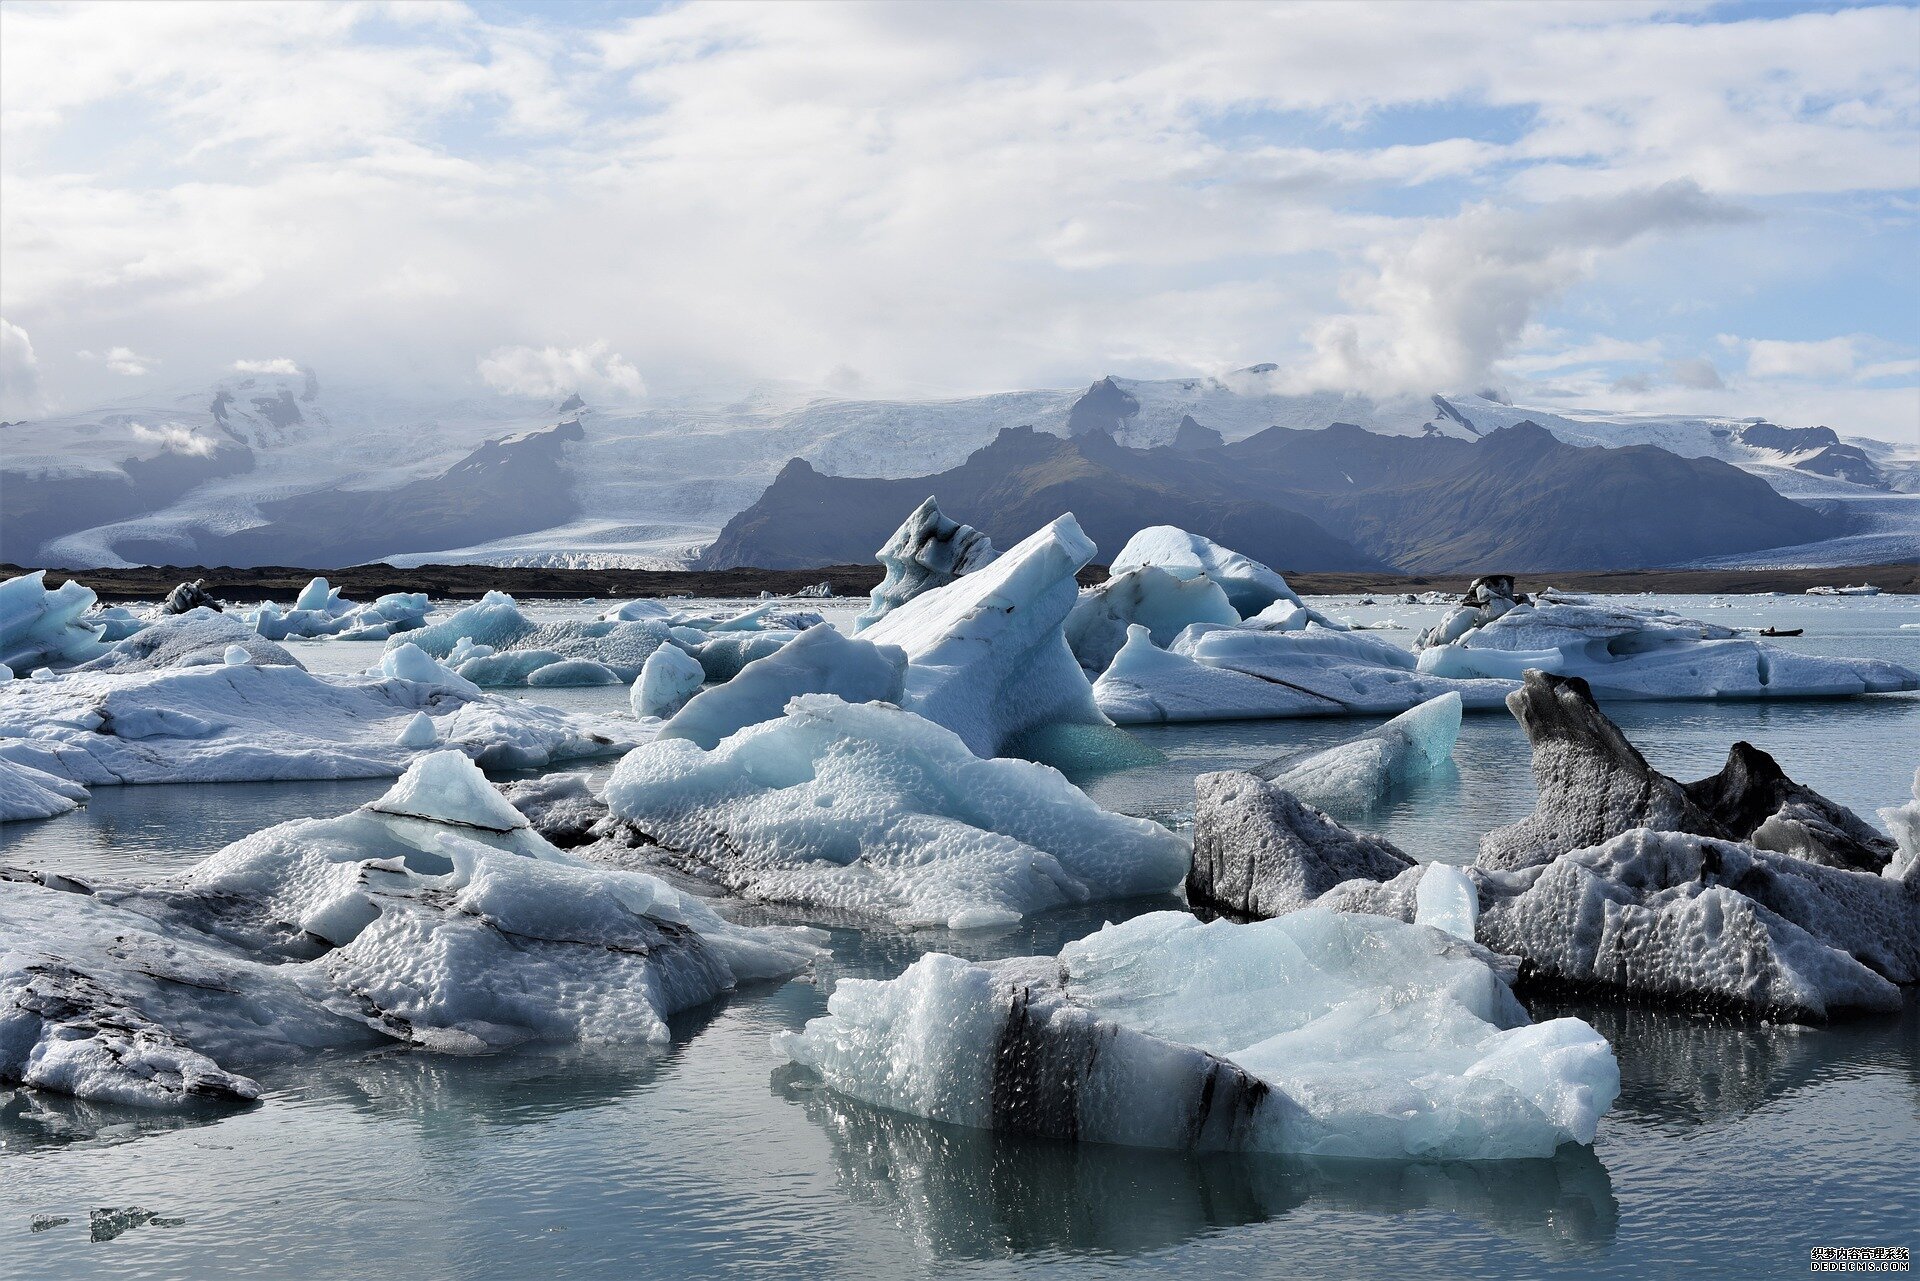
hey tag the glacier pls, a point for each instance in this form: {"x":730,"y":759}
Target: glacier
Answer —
{"x":432,"y":918}
{"x":1313,"y":1033}
{"x":873,"y":813}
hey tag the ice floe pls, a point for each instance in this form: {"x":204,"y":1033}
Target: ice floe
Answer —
{"x":434,"y":918}
{"x":41,"y":628}
{"x":319,"y":611}
{"x":987,"y":656}
{"x":1311,"y":1033}
{"x":872,"y":812}
{"x":491,"y":642}
{"x":927,"y":551}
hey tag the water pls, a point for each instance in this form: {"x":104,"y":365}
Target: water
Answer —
{"x":1734,"y":1149}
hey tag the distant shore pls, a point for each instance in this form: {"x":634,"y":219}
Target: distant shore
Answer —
{"x":363,"y":582}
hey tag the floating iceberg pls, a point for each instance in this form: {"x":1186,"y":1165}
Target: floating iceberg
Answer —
{"x":1624,"y":652}
{"x":986,"y":654}
{"x":1312,"y":1033}
{"x":1236,"y":673}
{"x":433,"y":917}
{"x":319,"y":611}
{"x":27,"y":793}
{"x":1366,"y":770}
{"x":871,"y":812}
{"x":668,"y":678}
{"x":137,"y":719}
{"x":1150,"y":596}
{"x":186,"y":597}
{"x":926,"y":552}
{"x":818,"y":661}
{"x":1904,"y":822}
{"x":42,"y":628}
{"x":1249,"y":585}
{"x":201,"y":637}
{"x":490,"y":642}
{"x":117,"y":622}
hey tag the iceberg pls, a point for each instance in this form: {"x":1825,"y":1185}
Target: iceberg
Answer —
{"x":201,"y":637}
{"x":319,"y":611}
{"x":668,"y":678}
{"x":200,"y":719}
{"x":873,"y":813}
{"x":817,"y":661}
{"x":1904,"y":822}
{"x":1250,"y":586}
{"x":1366,"y":770}
{"x":190,"y":596}
{"x":27,"y":793}
{"x":1626,"y":653}
{"x":42,"y":628}
{"x":490,"y":642}
{"x":433,"y":918}
{"x":986,"y":654}
{"x":927,"y":551}
{"x":1237,"y":673}
{"x":1312,"y":1033}
{"x":1150,"y":596}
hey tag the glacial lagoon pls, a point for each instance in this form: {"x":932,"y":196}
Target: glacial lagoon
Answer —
{"x":1734,"y":1149}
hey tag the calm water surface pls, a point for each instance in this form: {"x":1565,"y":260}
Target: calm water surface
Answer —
{"x":1733,"y":1150}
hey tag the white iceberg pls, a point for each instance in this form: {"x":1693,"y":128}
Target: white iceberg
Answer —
{"x":1312,"y":1033}
{"x":40,"y":628}
{"x":491,"y":642}
{"x":433,"y":917}
{"x":871,"y":812}
{"x":201,"y":637}
{"x":27,"y":793}
{"x":319,"y":611}
{"x":1150,"y":596}
{"x":986,"y":654}
{"x":1904,"y":822}
{"x":668,"y":678}
{"x":1249,"y":585}
{"x":1236,"y":673}
{"x":1366,"y":770}
{"x":818,"y":661}
{"x":927,"y":551}
{"x":1626,"y":653}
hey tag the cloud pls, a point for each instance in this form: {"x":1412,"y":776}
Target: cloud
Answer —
{"x":174,"y":439}
{"x":593,"y":371}
{"x":1829,"y":358}
{"x":1439,"y":310}
{"x":1699,"y":373}
{"x":276,"y":365}
{"x":124,"y":361}
{"x":19,"y":370}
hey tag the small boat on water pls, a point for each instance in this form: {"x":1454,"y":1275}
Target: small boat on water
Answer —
{"x":1779,"y":631}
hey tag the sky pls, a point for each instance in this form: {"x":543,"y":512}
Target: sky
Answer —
{"x":1618,"y":205}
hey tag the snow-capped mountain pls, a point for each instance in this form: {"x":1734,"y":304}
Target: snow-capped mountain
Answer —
{"x":294,"y":467}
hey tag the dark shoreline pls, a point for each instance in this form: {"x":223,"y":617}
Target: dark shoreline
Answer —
{"x":363,"y":582}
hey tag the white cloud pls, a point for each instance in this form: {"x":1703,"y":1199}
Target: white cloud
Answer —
{"x":124,"y":361}
{"x":276,"y":365}
{"x":19,"y":370}
{"x":593,"y":371}
{"x":1699,"y":373}
{"x":1829,"y":358}
{"x":1439,"y":310}
{"x":174,"y":438}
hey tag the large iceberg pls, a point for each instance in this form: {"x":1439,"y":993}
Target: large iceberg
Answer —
{"x":1238,"y":673}
{"x":1149,"y":596}
{"x":873,"y":813}
{"x":818,"y":661}
{"x":1249,"y":585}
{"x":1312,"y":1033}
{"x":986,"y":654}
{"x":1368,"y":769}
{"x":1259,"y":851}
{"x":320,"y":611}
{"x":42,"y":628}
{"x":927,"y":551}
{"x":433,"y":917}
{"x":165,"y":707}
{"x":1624,"y":652}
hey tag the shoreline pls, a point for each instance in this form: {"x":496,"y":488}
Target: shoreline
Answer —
{"x":364,"y":582}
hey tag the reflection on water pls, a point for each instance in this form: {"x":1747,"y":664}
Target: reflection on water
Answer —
{"x":976,"y":1194}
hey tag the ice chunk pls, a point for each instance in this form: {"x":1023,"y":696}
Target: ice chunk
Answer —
{"x":1364,"y":771}
{"x":722,"y":657}
{"x":986,"y":654}
{"x":237,"y":654}
{"x":1313,"y":1033}
{"x":411,"y":663}
{"x":1150,"y":596}
{"x":419,"y":732}
{"x":433,"y":918}
{"x":1447,"y":899}
{"x":636,"y":610}
{"x":1904,"y":822}
{"x":1259,"y":851}
{"x":26,"y":792}
{"x":199,"y":637}
{"x":871,"y":811}
{"x":1249,"y":585}
{"x":187,"y":597}
{"x":1752,"y":798}
{"x":668,"y":678}
{"x":819,"y":661}
{"x":1218,"y":673}
{"x":117,"y":622}
{"x":319,"y":611}
{"x":926,"y":552}
{"x":46,"y":628}
{"x":574,"y":671}
{"x":1623,"y":652}
{"x":316,"y":595}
